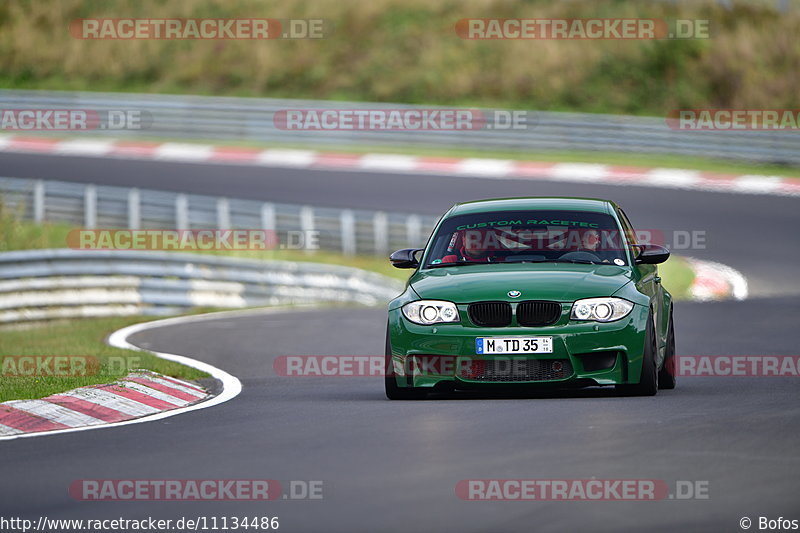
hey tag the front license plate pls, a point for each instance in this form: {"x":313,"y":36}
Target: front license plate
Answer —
{"x":494,"y":345}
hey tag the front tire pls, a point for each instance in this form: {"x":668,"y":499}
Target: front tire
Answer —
{"x":393,"y":392}
{"x":648,"y":380}
{"x":666,"y":376}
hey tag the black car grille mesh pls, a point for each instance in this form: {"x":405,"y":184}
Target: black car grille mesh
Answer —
{"x":513,"y":369}
{"x":490,"y":314}
{"x":538,"y":313}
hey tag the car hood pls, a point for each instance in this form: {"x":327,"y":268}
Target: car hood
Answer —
{"x":564,"y":282}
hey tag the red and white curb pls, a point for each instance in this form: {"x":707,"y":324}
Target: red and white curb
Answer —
{"x":406,"y":164}
{"x":139,"y":394}
{"x":142,"y":396}
{"x":715,"y":281}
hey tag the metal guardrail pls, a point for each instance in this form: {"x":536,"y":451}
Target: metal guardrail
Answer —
{"x":47,"y":284}
{"x":105,"y":207}
{"x":251,"y":120}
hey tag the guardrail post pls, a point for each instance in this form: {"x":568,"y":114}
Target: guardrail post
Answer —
{"x":306,"y":225}
{"x":223,"y":214}
{"x":380,"y":225}
{"x":181,"y":212}
{"x":413,"y":231}
{"x":38,"y":201}
{"x":90,"y":207}
{"x":347,"y":222}
{"x":268,"y":217}
{"x":268,"y":222}
{"x":134,"y":209}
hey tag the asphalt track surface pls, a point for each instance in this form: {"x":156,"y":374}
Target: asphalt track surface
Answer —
{"x":393,"y":466}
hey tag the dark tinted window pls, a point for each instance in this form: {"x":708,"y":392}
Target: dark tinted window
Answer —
{"x":516,"y":236}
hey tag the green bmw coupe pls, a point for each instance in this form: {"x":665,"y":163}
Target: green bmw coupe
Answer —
{"x":531,"y":293}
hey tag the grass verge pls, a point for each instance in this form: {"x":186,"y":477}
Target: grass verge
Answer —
{"x":409,"y":51}
{"x":677,"y":277}
{"x":97,"y":362}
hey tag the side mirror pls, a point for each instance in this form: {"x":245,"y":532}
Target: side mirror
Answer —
{"x":405,"y":258}
{"x":651,"y":254}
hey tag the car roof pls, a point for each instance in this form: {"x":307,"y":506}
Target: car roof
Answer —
{"x":533,"y":202}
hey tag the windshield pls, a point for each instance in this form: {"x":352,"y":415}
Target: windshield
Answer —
{"x":527,"y":236}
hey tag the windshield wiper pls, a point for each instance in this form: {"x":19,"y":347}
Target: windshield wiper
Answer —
{"x":458,"y":263}
{"x":578,"y":261}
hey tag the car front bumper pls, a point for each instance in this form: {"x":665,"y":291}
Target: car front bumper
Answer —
{"x":584,"y":354}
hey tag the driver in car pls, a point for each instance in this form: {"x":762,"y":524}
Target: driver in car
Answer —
{"x":590,"y":242}
{"x":473,"y":248}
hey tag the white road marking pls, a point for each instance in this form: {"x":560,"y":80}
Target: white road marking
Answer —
{"x":497,"y":168}
{"x":758,"y":184}
{"x":287,"y":158}
{"x":184,"y":152}
{"x":5,"y":140}
{"x":579,"y":172}
{"x":84,"y":147}
{"x":388,"y":162}
{"x":669,"y":177}
{"x":710,"y":269}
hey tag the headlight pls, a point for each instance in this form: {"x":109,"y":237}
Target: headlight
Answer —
{"x":601,"y":309}
{"x":427,"y":312}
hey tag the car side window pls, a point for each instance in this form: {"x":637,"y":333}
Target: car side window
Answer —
{"x":627,"y":227}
